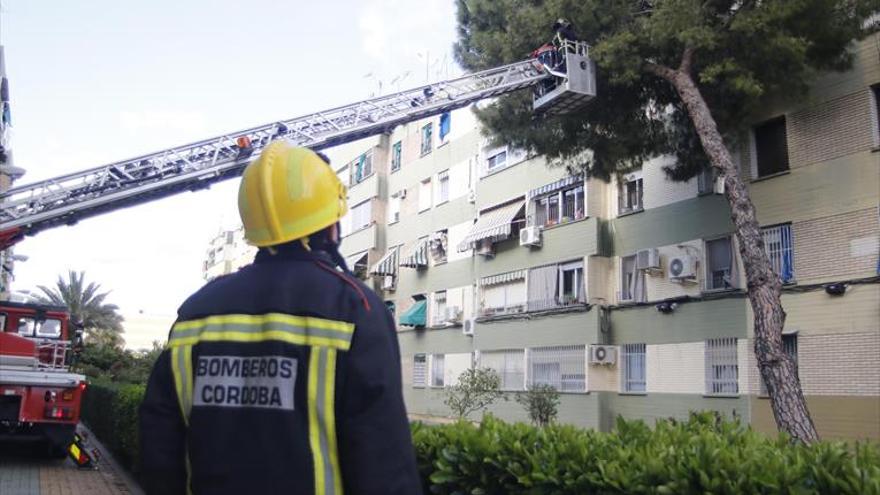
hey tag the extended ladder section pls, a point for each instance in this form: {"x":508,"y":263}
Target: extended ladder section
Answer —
{"x":67,"y":199}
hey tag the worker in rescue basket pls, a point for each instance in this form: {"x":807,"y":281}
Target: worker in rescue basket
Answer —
{"x":285,"y":376}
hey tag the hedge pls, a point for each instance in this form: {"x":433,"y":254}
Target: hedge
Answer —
{"x":702,"y":455}
{"x":111,"y":412}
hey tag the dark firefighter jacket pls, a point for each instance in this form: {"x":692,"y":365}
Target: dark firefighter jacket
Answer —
{"x":281,"y":378}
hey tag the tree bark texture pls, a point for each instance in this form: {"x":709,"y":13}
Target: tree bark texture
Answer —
{"x":764,"y":285}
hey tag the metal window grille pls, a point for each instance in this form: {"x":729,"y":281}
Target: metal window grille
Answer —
{"x":427,"y":138}
{"x":634,"y":370}
{"x":780,"y":249}
{"x":396,"y":156}
{"x":510,"y":366}
{"x":789,"y":347}
{"x":420,"y":370}
{"x":443,"y":178}
{"x":722,"y":368}
{"x":438,"y":367}
{"x":562,"y":367}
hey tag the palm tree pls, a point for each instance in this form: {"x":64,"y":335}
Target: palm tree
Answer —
{"x":102,"y":322}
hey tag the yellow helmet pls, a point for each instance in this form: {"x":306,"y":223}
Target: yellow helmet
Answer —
{"x":288,"y":193}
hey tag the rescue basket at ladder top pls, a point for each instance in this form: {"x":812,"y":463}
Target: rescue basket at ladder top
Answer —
{"x":573,"y":82}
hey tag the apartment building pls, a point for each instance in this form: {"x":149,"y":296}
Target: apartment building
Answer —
{"x":227,"y":252}
{"x":628,"y":296}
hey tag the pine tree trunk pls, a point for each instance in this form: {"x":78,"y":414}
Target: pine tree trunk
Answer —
{"x":764,"y":286}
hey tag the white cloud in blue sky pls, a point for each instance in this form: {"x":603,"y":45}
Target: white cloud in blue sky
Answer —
{"x":98,"y":81}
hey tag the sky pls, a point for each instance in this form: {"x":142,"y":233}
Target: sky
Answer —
{"x":97,"y":81}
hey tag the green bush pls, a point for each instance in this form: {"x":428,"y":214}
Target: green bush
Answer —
{"x":701,"y":455}
{"x":541,"y":402}
{"x":111,"y":412}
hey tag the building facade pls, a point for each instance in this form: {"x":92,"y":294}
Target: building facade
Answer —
{"x":628,"y":296}
{"x":227,"y":252}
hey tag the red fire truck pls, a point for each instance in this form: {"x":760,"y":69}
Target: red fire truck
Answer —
{"x":39,"y":397}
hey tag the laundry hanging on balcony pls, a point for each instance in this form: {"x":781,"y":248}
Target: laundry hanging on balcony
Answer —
{"x":493,"y":225}
{"x":416,"y":315}
{"x":387,"y":266}
{"x":438,"y":244}
{"x":418,"y":257}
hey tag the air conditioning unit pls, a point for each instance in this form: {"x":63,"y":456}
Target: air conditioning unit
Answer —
{"x":603,"y":354}
{"x":485,"y":248}
{"x":682,"y":267}
{"x":453,"y":314}
{"x":468,"y":327}
{"x":472,"y":196}
{"x":388,"y":282}
{"x":530,"y":236}
{"x":648,"y":259}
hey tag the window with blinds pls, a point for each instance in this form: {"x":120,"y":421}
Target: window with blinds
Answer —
{"x":510,"y":366}
{"x":722,"y":367}
{"x":420,"y":370}
{"x":632,"y":360}
{"x":562,"y":367}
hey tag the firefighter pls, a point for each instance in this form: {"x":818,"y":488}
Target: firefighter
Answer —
{"x":283,"y":377}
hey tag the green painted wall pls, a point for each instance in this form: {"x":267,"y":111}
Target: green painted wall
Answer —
{"x":515,"y":180}
{"x":652,"y":407}
{"x":565,"y":329}
{"x":690,"y":322}
{"x":577,"y":409}
{"x":694,"y":218}
{"x":413,"y":226}
{"x":439,"y":341}
{"x":563,"y":243}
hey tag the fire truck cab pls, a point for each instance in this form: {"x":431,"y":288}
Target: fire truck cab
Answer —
{"x":39,"y":397}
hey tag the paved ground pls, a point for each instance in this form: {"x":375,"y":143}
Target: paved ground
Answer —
{"x":25,"y":471}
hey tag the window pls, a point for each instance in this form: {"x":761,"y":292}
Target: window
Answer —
{"x":630,"y":195}
{"x":361,"y":167}
{"x":361,"y":216}
{"x":633,"y":364}
{"x":722,"y":368}
{"x":438,"y":368}
{"x":719,"y":264}
{"x":427,"y":138}
{"x":562,"y":367}
{"x":496,"y":160}
{"x":438,"y":245}
{"x":706,"y":181}
{"x":49,"y":328}
{"x":443,"y":187}
{"x":771,"y":148}
{"x":438,"y":313}
{"x":632,"y":281}
{"x":779,"y":247}
{"x":396,"y":153}
{"x":510,"y":366}
{"x":26,"y":326}
{"x":2,"y":322}
{"x":392,"y":308}
{"x":420,"y":370}
{"x":445,"y":127}
{"x":394,"y":208}
{"x":789,"y":348}
{"x":425,"y":195}
{"x":503,"y":294}
{"x":875,"y":91}
{"x":571,"y":283}
{"x":344,"y":176}
{"x":559,"y":207}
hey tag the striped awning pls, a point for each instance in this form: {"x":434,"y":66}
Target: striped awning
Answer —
{"x":387,"y":265}
{"x":555,"y":186}
{"x":418,"y":257}
{"x":493,"y":225}
{"x":356,"y":261}
{"x":503,"y":278}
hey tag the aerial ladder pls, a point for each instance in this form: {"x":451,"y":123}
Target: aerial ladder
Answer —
{"x":64,"y":200}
